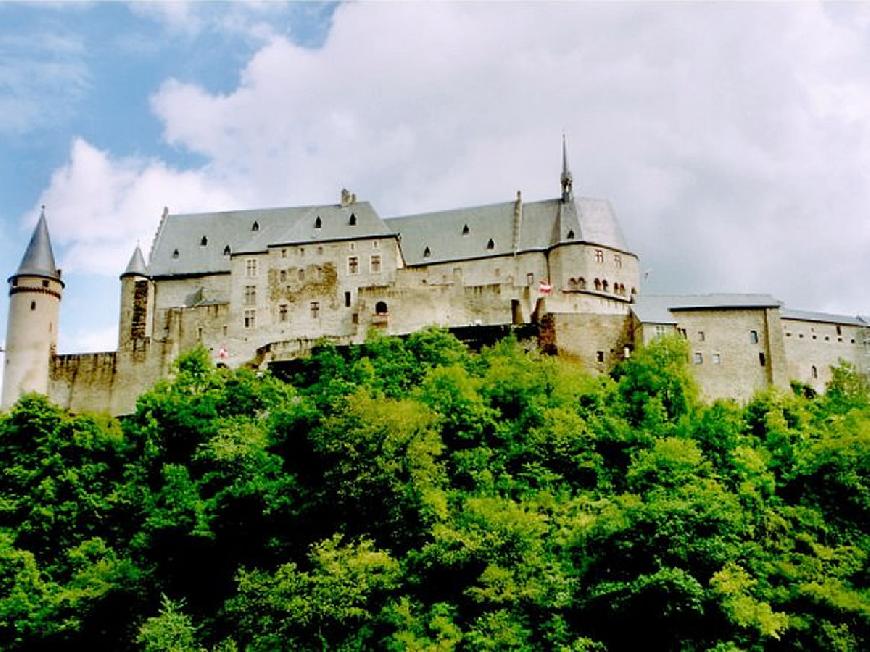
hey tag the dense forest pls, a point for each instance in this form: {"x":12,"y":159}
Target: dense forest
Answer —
{"x":413,"y":495}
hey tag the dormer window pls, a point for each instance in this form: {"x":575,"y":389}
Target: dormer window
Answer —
{"x":352,"y":220}
{"x":227,"y":250}
{"x":175,"y":254}
{"x":318,"y":223}
{"x":427,"y":252}
{"x":203,"y":242}
{"x":255,"y":226}
{"x":490,"y":244}
{"x":570,"y":235}
{"x":465,"y":230}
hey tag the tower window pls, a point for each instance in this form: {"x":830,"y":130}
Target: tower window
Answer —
{"x":282,"y":312}
{"x":427,"y":252}
{"x":318,"y":223}
{"x":762,"y":360}
{"x":250,"y":318}
{"x":255,"y":226}
{"x":203,"y":241}
{"x":250,"y":295}
{"x":617,"y":259}
{"x":701,"y":336}
{"x":599,"y":255}
{"x":33,"y":305}
{"x":227,"y":250}
{"x":353,"y":265}
{"x":347,"y":299}
{"x":604,"y":285}
{"x":465,"y":230}
{"x":44,"y":284}
{"x":175,"y":254}
{"x":698,"y":358}
{"x":570,"y":235}
{"x":598,"y":285}
{"x":581,"y":283}
{"x":753,"y":337}
{"x":375,"y":264}
{"x":599,"y":356}
{"x":381,"y":308}
{"x":717,"y":358}
{"x":815,"y":372}
{"x":352,"y":220}
{"x":251,"y":267}
{"x":315,"y":309}
{"x":490,"y":244}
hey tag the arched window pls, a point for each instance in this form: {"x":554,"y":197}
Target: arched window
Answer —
{"x":426,"y":252}
{"x":604,"y":285}
{"x":598,"y":285}
{"x":490,"y":244}
{"x":227,"y":250}
{"x":381,"y":308}
{"x":465,"y":230}
{"x":33,"y":307}
{"x":581,"y":283}
{"x":815,"y":372}
{"x":570,"y":235}
{"x":352,"y":220}
{"x":318,"y":222}
{"x":203,"y":241}
{"x":175,"y":254}
{"x":255,"y":226}
{"x":572,"y":283}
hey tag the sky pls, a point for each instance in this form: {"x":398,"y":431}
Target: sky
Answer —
{"x":730,"y":138}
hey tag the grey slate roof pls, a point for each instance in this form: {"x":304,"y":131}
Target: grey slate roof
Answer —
{"x":136,"y":266}
{"x":806,"y":315}
{"x":38,"y":259}
{"x":544,"y":224}
{"x":658,"y":309}
{"x":202,"y":238}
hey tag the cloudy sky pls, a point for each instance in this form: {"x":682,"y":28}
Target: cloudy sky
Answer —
{"x":733,"y":140}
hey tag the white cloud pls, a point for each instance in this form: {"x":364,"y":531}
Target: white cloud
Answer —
{"x":730,"y":138}
{"x":89,"y":340}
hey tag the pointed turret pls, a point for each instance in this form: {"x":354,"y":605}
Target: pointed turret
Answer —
{"x":567,"y":178}
{"x":38,"y":259}
{"x":136,"y":266}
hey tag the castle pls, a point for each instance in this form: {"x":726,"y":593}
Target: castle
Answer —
{"x":256,"y":287}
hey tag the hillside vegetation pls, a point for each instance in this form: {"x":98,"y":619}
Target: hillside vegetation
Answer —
{"x":411,"y":495}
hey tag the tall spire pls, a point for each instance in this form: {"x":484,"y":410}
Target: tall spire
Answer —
{"x":38,"y":259}
{"x":567,"y":178}
{"x":136,"y":266}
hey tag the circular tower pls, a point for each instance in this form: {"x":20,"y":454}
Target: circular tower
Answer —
{"x":35,"y":292}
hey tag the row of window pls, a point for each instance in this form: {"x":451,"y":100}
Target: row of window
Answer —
{"x":827,"y":338}
{"x":318,"y":223}
{"x":600,"y":285}
{"x":716,"y":358}
{"x":599,"y":257}
{"x":250,"y":315}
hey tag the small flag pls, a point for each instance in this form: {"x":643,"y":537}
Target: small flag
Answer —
{"x":545,"y":287}
{"x":223,"y":354}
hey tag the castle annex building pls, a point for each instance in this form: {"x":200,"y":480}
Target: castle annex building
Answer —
{"x":262,"y":286}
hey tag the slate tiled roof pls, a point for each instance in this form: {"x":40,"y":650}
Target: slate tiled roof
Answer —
{"x":544,"y":224}
{"x":659,"y":309}
{"x":806,"y":315}
{"x":136,"y":266}
{"x":38,"y":259}
{"x":205,"y":241}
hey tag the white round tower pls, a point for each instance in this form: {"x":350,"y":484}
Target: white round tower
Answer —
{"x":35,"y":292}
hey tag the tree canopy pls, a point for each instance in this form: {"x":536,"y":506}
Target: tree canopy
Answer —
{"x":413,"y":495}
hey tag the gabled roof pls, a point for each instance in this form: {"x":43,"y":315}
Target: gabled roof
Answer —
{"x":204,"y":242}
{"x":544,"y":224}
{"x":806,"y":315}
{"x":136,"y":266}
{"x":659,"y":309}
{"x":38,"y":259}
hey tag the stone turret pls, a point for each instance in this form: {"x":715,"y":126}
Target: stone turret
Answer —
{"x":134,"y":324}
{"x":35,"y":291}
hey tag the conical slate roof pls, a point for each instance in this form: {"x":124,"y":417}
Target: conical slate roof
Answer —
{"x":38,"y":260}
{"x":136,"y":266}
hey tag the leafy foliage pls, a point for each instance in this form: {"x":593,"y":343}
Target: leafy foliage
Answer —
{"x":410,"y":495}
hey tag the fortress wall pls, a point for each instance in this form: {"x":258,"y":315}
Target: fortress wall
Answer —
{"x":83,"y":381}
{"x":570,"y":263}
{"x":727,"y":333}
{"x":596,"y":340}
{"x":821,"y":345}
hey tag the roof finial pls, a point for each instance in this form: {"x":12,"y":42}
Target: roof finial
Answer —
{"x":567,"y":179}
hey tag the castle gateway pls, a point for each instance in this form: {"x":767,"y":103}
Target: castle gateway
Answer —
{"x":259,"y":286}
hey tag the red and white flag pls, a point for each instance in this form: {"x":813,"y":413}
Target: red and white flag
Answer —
{"x":223,"y":354}
{"x":545,"y":288}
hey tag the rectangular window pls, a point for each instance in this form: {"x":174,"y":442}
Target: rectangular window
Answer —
{"x":251,"y":267}
{"x":376,"y":244}
{"x":353,"y":265}
{"x":530,"y":278}
{"x":600,"y":356}
{"x":282,"y":275}
{"x":347,"y":299}
{"x":617,"y":259}
{"x":699,"y":358}
{"x":250,"y":318}
{"x":753,"y":337}
{"x":661,"y":329}
{"x":283,"y":253}
{"x":250,"y":295}
{"x":599,"y":255}
{"x":701,"y":336}
{"x":762,"y":360}
{"x":282,"y":312}
{"x":315,"y":309}
{"x":375,"y":264}
{"x":717,"y":359}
